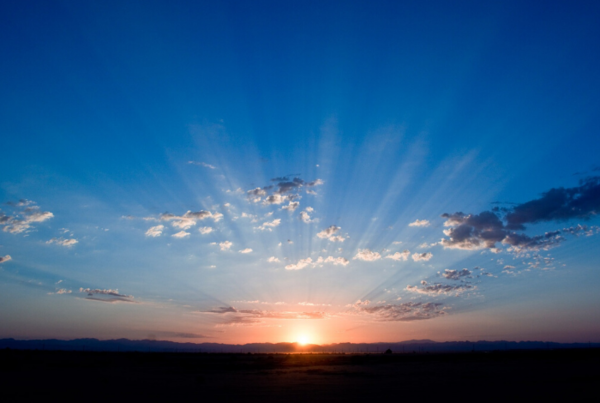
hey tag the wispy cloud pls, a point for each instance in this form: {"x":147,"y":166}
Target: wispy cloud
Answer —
{"x":419,"y":223}
{"x":203,"y":164}
{"x":398,"y":256}
{"x":155,"y":231}
{"x":330,"y":234}
{"x":108,"y":295}
{"x":247,"y":250}
{"x":23,"y":218}
{"x":225,"y":245}
{"x":269,"y":225}
{"x":4,"y":259}
{"x":181,"y":234}
{"x":417,"y":257}
{"x":404,"y":312}
{"x":367,"y":255}
{"x":440,"y":289}
{"x":63,"y":242}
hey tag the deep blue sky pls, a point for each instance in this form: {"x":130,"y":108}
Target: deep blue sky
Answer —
{"x":115,"y":113}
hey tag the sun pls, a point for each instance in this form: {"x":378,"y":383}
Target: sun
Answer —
{"x":303,"y":339}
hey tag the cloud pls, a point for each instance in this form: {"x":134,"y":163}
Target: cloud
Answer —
{"x":225,"y":245}
{"x":558,"y":204}
{"x":269,"y":225}
{"x":247,"y":250}
{"x":329,"y":233}
{"x":273,"y":259}
{"x":204,"y":164}
{"x":405,"y":312}
{"x":419,"y":223}
{"x":422,"y":256}
{"x":485,"y":230}
{"x":399,"y":256}
{"x":367,"y":255}
{"x":305,"y":217}
{"x":291,"y":207}
{"x":24,"y":218}
{"x":255,"y":316}
{"x":181,"y":234}
{"x":284,"y":191}
{"x":279,"y":199}
{"x":302,"y":263}
{"x":4,"y":259}
{"x":205,"y":230}
{"x":440,"y":289}
{"x":63,"y":291}
{"x":456,"y":274}
{"x":63,"y":242}
{"x":335,"y":260}
{"x":109,"y":295}
{"x":189,"y":219}
{"x":155,"y":231}
{"x":309,"y":262}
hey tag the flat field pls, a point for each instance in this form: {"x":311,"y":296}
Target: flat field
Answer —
{"x":491,"y":376}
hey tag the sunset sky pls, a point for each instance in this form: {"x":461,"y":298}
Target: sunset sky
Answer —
{"x":317,"y":171}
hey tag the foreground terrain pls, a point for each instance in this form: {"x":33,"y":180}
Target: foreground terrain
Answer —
{"x":99,"y":376}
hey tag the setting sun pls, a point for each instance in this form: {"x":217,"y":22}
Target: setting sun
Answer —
{"x":303,"y":339}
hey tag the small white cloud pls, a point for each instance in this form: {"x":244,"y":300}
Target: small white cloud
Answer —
{"x":367,"y":255}
{"x":305,"y":217}
{"x":63,"y":242}
{"x":419,"y":223}
{"x":302,"y":263}
{"x":4,"y":259}
{"x":309,"y":209}
{"x":225,"y":245}
{"x":155,"y":231}
{"x":269,"y":225}
{"x":181,"y":234}
{"x":422,"y":256}
{"x":247,"y":250}
{"x":205,"y":230}
{"x":273,"y":259}
{"x":64,"y":291}
{"x":329,"y":233}
{"x":396,"y":242}
{"x":203,"y":164}
{"x":399,"y":256}
{"x":292,"y":206}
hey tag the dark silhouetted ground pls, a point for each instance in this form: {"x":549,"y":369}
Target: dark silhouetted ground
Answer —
{"x":100,"y":376}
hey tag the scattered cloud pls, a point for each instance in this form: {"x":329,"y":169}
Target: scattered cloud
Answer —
{"x":399,"y":256}
{"x":181,"y":234}
{"x":225,"y":245}
{"x":247,"y":250}
{"x":155,"y":231}
{"x":273,"y":259}
{"x":189,"y":219}
{"x":63,"y":242}
{"x":203,"y":164}
{"x":63,"y":291}
{"x":305,"y":217}
{"x":335,"y":260}
{"x":302,"y":263}
{"x":329,"y":233}
{"x":4,"y":259}
{"x":440,"y":289}
{"x":422,"y":256}
{"x":205,"y":230}
{"x":269,"y":225}
{"x":367,"y":255}
{"x":24,"y":218}
{"x":419,"y":223}
{"x":485,"y":230}
{"x":456,"y":274}
{"x":291,"y":207}
{"x":404,"y":312}
{"x":109,"y":295}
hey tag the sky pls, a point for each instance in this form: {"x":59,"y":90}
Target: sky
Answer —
{"x":280,"y":171}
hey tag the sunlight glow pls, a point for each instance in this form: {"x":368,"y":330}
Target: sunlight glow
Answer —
{"x":303,"y":339}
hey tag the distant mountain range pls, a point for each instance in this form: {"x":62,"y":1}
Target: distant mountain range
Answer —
{"x":409,"y":346}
